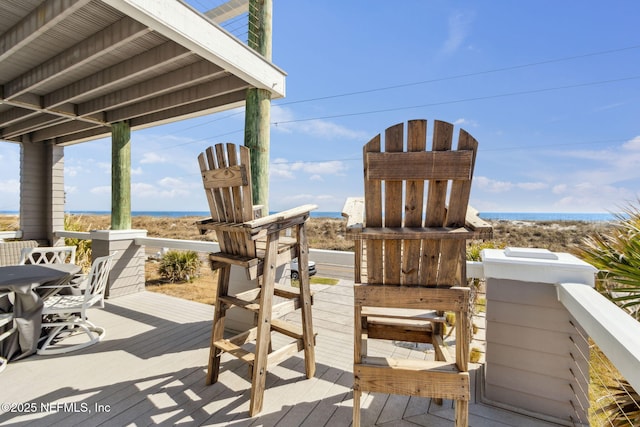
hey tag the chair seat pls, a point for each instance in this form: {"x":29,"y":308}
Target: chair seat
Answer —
{"x":70,"y":312}
{"x":66,"y":303}
{"x":255,"y":264}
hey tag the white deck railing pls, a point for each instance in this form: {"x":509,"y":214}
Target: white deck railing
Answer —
{"x":10,"y":235}
{"x":613,"y":330}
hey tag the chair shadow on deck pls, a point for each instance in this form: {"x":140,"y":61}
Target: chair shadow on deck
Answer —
{"x":176,"y":336}
{"x":182,"y":397}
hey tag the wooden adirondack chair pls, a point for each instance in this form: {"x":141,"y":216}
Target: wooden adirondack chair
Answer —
{"x":259,"y":245}
{"x":413,"y":241}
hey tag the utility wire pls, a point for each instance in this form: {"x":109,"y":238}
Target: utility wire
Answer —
{"x":459,"y":76}
{"x":386,"y":110}
{"x":434,"y":80}
{"x":456,"y":101}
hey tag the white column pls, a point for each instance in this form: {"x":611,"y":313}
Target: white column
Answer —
{"x":537,"y":356}
{"x":127,"y":273}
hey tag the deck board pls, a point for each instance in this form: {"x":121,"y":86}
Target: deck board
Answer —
{"x":150,"y":369}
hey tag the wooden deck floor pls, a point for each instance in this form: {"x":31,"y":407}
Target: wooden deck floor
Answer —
{"x":150,"y":369}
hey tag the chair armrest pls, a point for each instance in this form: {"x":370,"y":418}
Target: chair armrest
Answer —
{"x":281,"y":220}
{"x":481,"y":228}
{"x":353,"y":210}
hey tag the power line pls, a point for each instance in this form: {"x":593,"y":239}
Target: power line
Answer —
{"x":386,"y":110}
{"x":459,"y":76}
{"x":478,"y":98}
{"x":434,"y":80}
{"x":480,"y":149}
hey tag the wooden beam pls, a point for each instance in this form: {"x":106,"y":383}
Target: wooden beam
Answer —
{"x":65,"y":128}
{"x":116,"y":74}
{"x":99,"y":44}
{"x":194,"y":31}
{"x":15,"y":115}
{"x":46,"y":16}
{"x":32,"y":124}
{"x":196,"y":109}
{"x":185,"y":76}
{"x":206,"y":106}
{"x":84,"y":135}
{"x":172,"y":100}
{"x":61,"y":113}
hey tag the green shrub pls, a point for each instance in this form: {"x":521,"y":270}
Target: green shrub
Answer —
{"x":83,"y":247}
{"x":179,"y":266}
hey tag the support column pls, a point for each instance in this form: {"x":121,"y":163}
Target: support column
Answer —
{"x":42,"y":195}
{"x":120,"y":176}
{"x":127,"y":273}
{"x":258,"y":104}
{"x":537,"y":357}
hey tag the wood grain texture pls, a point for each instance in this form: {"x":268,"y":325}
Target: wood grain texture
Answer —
{"x":256,"y":245}
{"x":415,"y":228}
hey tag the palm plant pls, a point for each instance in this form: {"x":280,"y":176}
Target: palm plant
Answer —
{"x":624,"y":410}
{"x":179,"y":266}
{"x":616,"y":254}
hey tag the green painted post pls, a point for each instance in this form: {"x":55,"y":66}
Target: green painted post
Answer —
{"x":120,"y":176}
{"x":258,"y":104}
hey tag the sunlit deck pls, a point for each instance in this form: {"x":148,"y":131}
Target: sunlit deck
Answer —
{"x":150,"y":369}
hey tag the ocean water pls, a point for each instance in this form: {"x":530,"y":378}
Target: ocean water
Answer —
{"x":548,"y":216}
{"x":512,"y":216}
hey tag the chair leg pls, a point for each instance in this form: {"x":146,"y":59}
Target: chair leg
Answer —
{"x":359,"y":350}
{"x":263,"y":338}
{"x":438,"y":350}
{"x":462,"y":413}
{"x":356,"y":407}
{"x":94,"y":334}
{"x":305,"y":296}
{"x":217,"y":331}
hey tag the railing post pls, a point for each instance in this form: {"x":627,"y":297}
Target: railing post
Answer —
{"x":537,"y":356}
{"x":127,"y":272}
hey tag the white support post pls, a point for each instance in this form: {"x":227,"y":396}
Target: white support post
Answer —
{"x":537,"y":356}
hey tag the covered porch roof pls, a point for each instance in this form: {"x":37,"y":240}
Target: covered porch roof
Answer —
{"x":71,"y":68}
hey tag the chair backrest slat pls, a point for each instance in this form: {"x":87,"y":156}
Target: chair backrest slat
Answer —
{"x":393,"y":209}
{"x":373,"y":211}
{"x":414,"y":202}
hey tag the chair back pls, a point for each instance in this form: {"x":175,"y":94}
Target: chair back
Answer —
{"x":97,"y":280}
{"x":418,"y":199}
{"x":226,"y":176}
{"x":48,"y":255}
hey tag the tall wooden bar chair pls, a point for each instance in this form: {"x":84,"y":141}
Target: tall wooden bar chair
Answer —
{"x":259,"y":245}
{"x":411,"y":260}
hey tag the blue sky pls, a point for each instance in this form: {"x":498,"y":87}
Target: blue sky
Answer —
{"x":549,"y":89}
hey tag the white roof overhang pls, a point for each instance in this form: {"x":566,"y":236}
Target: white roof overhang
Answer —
{"x":71,"y":68}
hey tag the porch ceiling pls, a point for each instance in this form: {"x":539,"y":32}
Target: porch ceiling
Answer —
{"x":71,"y":68}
